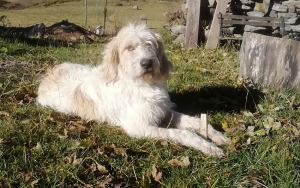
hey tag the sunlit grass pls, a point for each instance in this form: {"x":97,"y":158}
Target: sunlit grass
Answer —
{"x":41,"y":148}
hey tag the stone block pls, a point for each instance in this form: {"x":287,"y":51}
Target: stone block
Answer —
{"x":279,"y":7}
{"x":255,"y":14}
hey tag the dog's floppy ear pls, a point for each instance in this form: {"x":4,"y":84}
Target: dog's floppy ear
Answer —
{"x":166,"y":65}
{"x":111,"y":60}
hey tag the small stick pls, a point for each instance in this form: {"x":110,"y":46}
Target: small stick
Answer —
{"x":204,"y":124}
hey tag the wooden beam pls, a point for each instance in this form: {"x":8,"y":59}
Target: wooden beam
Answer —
{"x":192,"y":23}
{"x":214,"y":32}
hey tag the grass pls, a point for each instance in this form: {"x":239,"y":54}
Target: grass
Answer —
{"x":41,"y":148}
{"x":74,"y":12}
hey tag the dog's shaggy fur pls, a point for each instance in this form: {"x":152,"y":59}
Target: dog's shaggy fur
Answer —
{"x":127,"y":90}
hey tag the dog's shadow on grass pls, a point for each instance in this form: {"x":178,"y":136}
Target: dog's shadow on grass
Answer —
{"x":215,"y":99}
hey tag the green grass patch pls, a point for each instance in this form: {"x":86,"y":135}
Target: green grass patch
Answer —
{"x":41,"y":148}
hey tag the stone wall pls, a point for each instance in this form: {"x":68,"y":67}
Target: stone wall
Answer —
{"x":287,"y":9}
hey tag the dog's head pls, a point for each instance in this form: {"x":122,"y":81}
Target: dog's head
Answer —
{"x":136,"y":53}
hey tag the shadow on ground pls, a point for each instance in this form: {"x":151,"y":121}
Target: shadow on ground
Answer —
{"x":216,"y":99}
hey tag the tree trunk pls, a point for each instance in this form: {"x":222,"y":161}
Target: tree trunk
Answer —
{"x":270,"y":61}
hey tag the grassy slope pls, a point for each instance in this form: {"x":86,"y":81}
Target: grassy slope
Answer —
{"x":74,"y":12}
{"x":39,"y":145}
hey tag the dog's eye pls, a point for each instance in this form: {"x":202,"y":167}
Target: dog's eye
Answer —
{"x":130,"y":48}
{"x":148,"y":44}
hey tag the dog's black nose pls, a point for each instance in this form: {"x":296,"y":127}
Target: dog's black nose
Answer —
{"x":147,"y":64}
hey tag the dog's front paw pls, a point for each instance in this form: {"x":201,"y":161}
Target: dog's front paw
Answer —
{"x":219,"y":138}
{"x":215,"y":151}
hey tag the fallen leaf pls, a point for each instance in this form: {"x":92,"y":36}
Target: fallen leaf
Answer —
{"x":63,"y":133}
{"x":38,"y":147}
{"x":98,"y":168}
{"x":101,"y":169}
{"x":260,"y":132}
{"x":183,"y":161}
{"x":33,"y":183}
{"x":261,"y":108}
{"x":4,"y":113}
{"x":145,"y":182}
{"x":279,"y":108}
{"x":164,"y":143}
{"x":270,"y":124}
{"x":5,"y":185}
{"x":26,"y":90}
{"x":86,"y":143}
{"x":156,"y":174}
{"x":26,"y":121}
{"x":249,"y":141}
{"x":73,"y":160}
{"x":284,"y":121}
{"x":295,"y":131}
{"x":103,"y":183}
{"x":2,"y":141}
{"x":56,"y":116}
{"x":26,"y":175}
{"x":239,"y":125}
{"x":250,"y":130}
{"x":120,"y":151}
{"x":113,"y":150}
{"x":224,"y":124}
{"x":292,"y":101}
{"x":77,"y":126}
{"x":248,"y":114}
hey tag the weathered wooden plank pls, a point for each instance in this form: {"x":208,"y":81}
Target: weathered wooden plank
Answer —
{"x":192,"y":24}
{"x":270,"y":61}
{"x":253,"y":23}
{"x":240,"y":17}
{"x":214,"y":32}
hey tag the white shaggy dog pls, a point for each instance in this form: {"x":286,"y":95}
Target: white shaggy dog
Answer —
{"x":127,"y":90}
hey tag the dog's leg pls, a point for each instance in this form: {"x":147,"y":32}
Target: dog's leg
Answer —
{"x":182,"y":121}
{"x":184,"y":137}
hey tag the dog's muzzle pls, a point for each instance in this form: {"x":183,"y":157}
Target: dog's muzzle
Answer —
{"x":147,"y":65}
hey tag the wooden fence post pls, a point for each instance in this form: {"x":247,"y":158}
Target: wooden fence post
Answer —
{"x":214,"y":32}
{"x":192,"y":23}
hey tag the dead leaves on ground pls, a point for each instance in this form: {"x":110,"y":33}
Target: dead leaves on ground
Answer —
{"x":112,"y":150}
{"x":4,"y":113}
{"x":181,"y":161}
{"x":155,"y":173}
{"x":97,"y":168}
{"x":72,"y":124}
{"x":28,"y":176}
{"x":25,"y":95}
{"x":73,"y":160}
